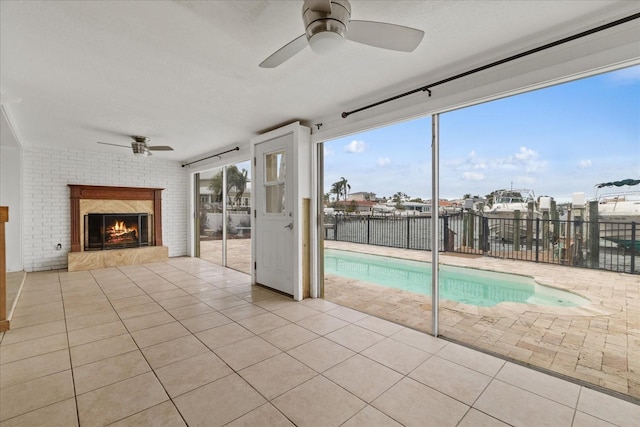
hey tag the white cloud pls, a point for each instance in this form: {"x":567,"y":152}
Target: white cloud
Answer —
{"x":525,"y":159}
{"x":355,"y":146}
{"x":328,"y":150}
{"x":584,"y":164}
{"x":525,"y":154}
{"x":472,"y":176}
{"x":383,"y":161}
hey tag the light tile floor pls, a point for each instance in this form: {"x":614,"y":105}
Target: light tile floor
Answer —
{"x":186,"y":342}
{"x":598,"y":343}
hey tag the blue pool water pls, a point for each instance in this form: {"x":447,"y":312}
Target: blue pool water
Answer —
{"x":469,"y":286}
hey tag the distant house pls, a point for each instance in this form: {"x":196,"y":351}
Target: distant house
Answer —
{"x":416,"y":208}
{"x":446,"y":207}
{"x":207,"y":196}
{"x":362,"y":195}
{"x":362,"y":207}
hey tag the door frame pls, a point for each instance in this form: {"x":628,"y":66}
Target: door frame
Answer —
{"x":298,"y":164}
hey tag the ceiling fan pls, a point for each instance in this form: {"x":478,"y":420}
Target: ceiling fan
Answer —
{"x":328,"y":24}
{"x":141,"y":147}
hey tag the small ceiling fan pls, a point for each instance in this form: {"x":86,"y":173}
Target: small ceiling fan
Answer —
{"x":141,"y":147}
{"x":328,"y":24}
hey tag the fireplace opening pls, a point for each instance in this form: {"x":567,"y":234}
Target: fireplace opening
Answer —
{"x":103,"y":231}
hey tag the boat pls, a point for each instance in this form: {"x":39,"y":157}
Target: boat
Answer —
{"x":501,"y":214}
{"x":619,"y":212}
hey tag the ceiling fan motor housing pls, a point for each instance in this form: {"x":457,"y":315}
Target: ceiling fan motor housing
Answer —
{"x":326,"y":31}
{"x":140,"y":148}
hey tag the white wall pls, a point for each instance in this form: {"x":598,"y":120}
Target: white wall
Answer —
{"x":10,"y":179}
{"x":10,"y":191}
{"x":46,"y":174}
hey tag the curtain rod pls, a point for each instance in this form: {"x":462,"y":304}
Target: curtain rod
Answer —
{"x":427,"y":88}
{"x":213,"y":155}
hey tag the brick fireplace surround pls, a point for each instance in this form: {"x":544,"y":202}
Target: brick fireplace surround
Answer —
{"x":103,"y":199}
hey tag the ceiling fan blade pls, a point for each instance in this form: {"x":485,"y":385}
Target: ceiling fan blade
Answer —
{"x":160,"y":148}
{"x":115,"y":145}
{"x":384,"y":35}
{"x":323,"y":6}
{"x":285,"y":52}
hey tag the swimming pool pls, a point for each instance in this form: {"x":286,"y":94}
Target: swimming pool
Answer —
{"x":466,"y":285}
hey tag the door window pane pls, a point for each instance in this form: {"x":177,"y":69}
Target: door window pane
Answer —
{"x":275,"y":172}
{"x":275,"y":198}
{"x":275,"y":167}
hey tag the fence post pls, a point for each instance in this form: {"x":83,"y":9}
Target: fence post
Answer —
{"x":633,"y":246}
{"x":567,"y":238}
{"x":594,"y":235}
{"x":445,"y":221}
{"x":368,"y":229}
{"x":471,"y":226}
{"x":537,"y":238}
{"x":545,"y":231}
{"x":485,"y":235}
{"x":481,"y":233}
{"x":408,"y":231}
{"x":529,"y":224}
{"x":555,"y":221}
{"x":465,"y":229}
{"x":516,"y":230}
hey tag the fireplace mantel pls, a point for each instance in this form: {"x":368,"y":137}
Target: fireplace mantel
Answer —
{"x":97,"y":192}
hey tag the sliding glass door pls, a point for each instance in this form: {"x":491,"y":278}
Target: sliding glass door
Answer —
{"x":223,"y":220}
{"x":209,"y":215}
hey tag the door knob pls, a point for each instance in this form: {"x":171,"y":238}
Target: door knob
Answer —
{"x":290,"y":226}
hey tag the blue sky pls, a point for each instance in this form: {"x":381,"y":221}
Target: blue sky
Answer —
{"x":555,"y":141}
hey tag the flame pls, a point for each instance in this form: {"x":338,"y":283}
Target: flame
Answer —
{"x":119,"y":231}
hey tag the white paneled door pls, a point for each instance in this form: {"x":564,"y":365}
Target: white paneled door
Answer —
{"x":275,"y":214}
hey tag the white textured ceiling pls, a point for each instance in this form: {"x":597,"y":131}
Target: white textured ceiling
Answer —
{"x":185,"y":73}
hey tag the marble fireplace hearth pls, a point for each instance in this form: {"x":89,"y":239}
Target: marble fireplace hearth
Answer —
{"x":88,"y":199}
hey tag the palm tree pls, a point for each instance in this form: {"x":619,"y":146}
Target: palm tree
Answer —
{"x":239,"y":181}
{"x":235,"y":179}
{"x":336,"y":189}
{"x":216,"y":187}
{"x":400,"y":197}
{"x":344,"y":187}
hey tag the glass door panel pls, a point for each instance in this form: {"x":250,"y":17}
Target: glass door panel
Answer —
{"x":239,"y":217}
{"x":209,"y":223}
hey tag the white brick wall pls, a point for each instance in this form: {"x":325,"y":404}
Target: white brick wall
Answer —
{"x":46,"y":197}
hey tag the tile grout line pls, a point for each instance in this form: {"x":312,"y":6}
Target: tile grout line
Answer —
{"x":170,"y":399}
{"x":66,"y":328}
{"x":233,"y":371}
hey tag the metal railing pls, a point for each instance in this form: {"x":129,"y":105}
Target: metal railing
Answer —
{"x":577,"y":243}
